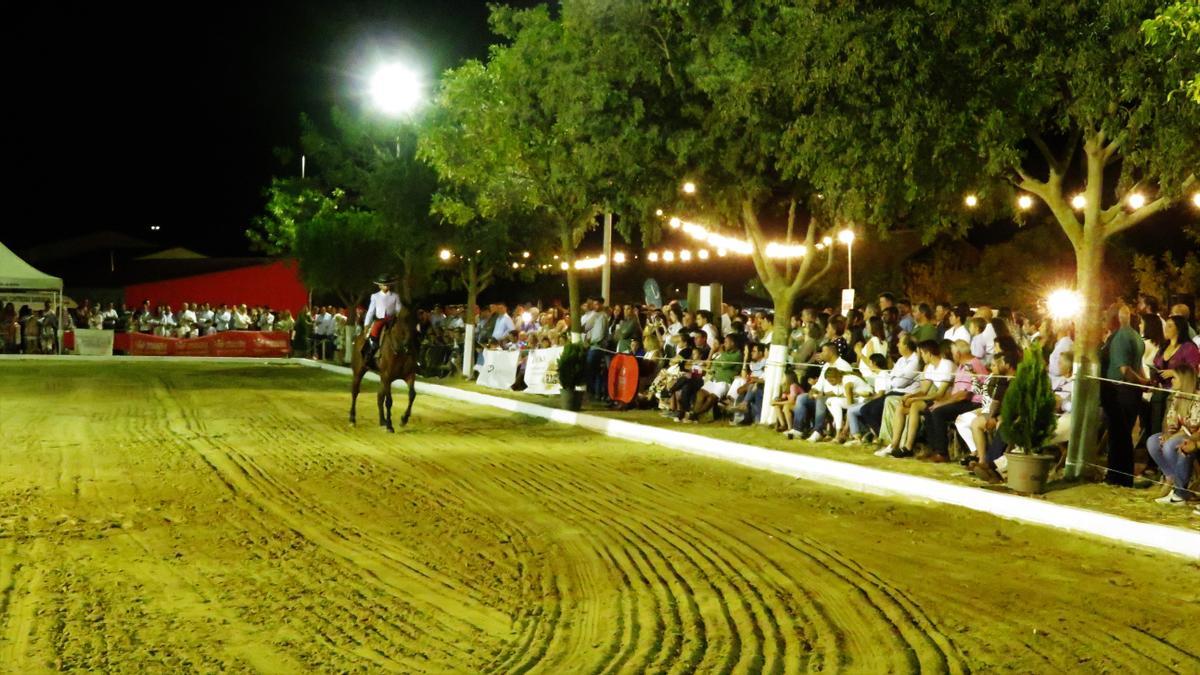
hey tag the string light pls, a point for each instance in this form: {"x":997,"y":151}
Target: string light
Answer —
{"x":1196,"y":199}
{"x":689,"y":188}
{"x":685,"y":255}
{"x":564,"y":266}
{"x":668,"y":256}
{"x":722,"y":252}
{"x":1079,"y":201}
{"x":652,"y":256}
{"x":702,"y":253}
{"x":658,"y":212}
{"x":972,"y":201}
{"x":525,"y":254}
{"x":1136,"y":200}
{"x":444,"y":254}
{"x":1064,"y":304}
{"x":675,"y":222}
{"x":1025,"y":202}
{"x":827,"y":240}
{"x":619,"y":258}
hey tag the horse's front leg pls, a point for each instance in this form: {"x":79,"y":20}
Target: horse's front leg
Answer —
{"x":411,"y":381}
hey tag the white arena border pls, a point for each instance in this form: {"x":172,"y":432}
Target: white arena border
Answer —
{"x":1175,"y":540}
{"x":854,"y":477}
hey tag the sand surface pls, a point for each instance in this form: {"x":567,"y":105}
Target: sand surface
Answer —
{"x":197,"y":518}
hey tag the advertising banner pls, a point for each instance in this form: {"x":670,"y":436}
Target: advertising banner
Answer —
{"x":499,"y":369}
{"x":271,"y":344}
{"x":541,"y":371}
{"x":93,"y":342}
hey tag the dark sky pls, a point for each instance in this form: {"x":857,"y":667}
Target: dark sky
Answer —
{"x":128,"y":116}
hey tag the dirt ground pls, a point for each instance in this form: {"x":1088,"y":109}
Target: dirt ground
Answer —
{"x":198,"y":518}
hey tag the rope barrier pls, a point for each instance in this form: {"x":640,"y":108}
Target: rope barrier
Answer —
{"x":1135,"y":477}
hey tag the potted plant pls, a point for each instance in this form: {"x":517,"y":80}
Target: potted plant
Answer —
{"x":1027,"y":422}
{"x":572,"y":364}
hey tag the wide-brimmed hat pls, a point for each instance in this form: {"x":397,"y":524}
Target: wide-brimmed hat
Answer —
{"x":384,"y":280}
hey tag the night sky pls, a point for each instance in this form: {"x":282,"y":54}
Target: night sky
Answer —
{"x":128,"y":117}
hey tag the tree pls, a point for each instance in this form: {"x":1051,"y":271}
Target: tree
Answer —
{"x":1177,"y":27}
{"x":375,"y":162}
{"x":338,"y":246}
{"x":540,"y":129}
{"x":1000,"y":96}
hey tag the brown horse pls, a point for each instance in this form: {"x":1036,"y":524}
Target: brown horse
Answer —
{"x":395,"y":359}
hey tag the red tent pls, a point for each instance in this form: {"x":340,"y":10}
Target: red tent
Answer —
{"x":276,"y":284}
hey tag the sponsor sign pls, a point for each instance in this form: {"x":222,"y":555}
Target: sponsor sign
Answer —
{"x":541,"y":371}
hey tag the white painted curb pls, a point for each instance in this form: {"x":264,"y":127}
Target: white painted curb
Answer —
{"x":1174,"y":540}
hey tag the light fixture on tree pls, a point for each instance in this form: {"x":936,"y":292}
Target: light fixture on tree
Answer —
{"x":1136,"y":200}
{"x":658,"y":212}
{"x":689,"y":188}
{"x":1025,"y":202}
{"x":675,"y":223}
{"x":619,"y":258}
{"x":525,"y":254}
{"x":1079,"y":201}
{"x":827,"y":240}
{"x":516,"y":265}
{"x":972,"y":201}
{"x":564,"y":266}
{"x":444,"y":254}
{"x":1196,"y":199}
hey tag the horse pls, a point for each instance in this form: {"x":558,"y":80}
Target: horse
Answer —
{"x":395,"y":359}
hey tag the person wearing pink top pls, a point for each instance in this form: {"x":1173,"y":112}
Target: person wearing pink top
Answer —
{"x":965,"y":396}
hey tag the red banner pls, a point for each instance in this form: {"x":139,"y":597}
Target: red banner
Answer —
{"x":232,"y":343}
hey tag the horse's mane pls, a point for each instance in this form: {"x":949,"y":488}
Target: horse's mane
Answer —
{"x":404,"y":331}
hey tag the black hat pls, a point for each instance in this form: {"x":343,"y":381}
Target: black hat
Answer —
{"x":384,"y":280}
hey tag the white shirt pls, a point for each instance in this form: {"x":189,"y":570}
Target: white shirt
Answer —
{"x":109,"y":314}
{"x":711,"y":331}
{"x":939,"y":376}
{"x":221,"y":320}
{"x":726,"y":324}
{"x":1063,"y":345}
{"x":859,"y":388}
{"x":823,"y":385}
{"x":324,"y":324}
{"x":957,"y":333}
{"x":674,"y":328}
{"x":903,"y":375}
{"x":383,"y":306}
{"x":266,"y":320}
{"x":241,"y":320}
{"x":504,"y":326}
{"x":981,"y":345}
{"x":187,"y":316}
{"x":167,"y":319}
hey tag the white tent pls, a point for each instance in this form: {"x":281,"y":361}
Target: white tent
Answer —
{"x":16,"y":275}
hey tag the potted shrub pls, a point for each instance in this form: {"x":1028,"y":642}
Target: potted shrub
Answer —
{"x":572,"y":364}
{"x":1027,"y":422}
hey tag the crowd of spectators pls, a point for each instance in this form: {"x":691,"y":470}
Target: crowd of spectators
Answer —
{"x":912,"y":380}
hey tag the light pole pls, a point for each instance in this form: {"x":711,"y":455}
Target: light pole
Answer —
{"x":847,"y":238}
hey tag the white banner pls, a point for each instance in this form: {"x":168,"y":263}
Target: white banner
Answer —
{"x":541,"y":371}
{"x":499,"y":369}
{"x":93,"y":342}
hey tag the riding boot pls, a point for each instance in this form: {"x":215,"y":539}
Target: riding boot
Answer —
{"x":369,"y":350}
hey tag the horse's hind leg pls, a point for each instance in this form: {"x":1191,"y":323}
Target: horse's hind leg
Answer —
{"x":380,"y":397}
{"x":388,"y":407}
{"x":385,"y":404}
{"x":411,"y":381}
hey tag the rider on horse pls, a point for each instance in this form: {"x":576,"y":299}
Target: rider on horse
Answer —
{"x":384,"y":307}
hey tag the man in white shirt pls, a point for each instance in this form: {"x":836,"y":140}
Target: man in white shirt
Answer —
{"x":704,"y":319}
{"x":384,"y":305}
{"x":241,"y":318}
{"x":187,"y":320}
{"x":937,"y":377}
{"x":811,"y":405}
{"x":958,"y":325}
{"x":266,"y":319}
{"x":504,"y":323}
{"x":222,"y":318}
{"x":166,"y":322}
{"x":847,"y":389}
{"x":204,"y":319}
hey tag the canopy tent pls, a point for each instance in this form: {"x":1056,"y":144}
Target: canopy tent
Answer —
{"x":16,"y":275}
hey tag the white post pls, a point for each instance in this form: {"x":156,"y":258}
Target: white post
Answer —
{"x":468,"y":348}
{"x":606,"y":271}
{"x":773,"y":381}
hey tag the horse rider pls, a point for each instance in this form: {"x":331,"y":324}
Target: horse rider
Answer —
{"x":384,"y":307}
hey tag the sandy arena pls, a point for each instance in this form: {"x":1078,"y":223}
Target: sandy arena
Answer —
{"x":159,"y":517}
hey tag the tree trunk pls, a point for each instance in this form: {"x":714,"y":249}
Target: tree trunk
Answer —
{"x":1089,"y":330}
{"x":777,"y":354}
{"x":406,"y":280}
{"x":573,"y":299}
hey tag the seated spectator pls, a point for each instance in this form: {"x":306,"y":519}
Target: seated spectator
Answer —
{"x":719,"y":376}
{"x":875,"y":371}
{"x":785,"y":405}
{"x":811,"y":412}
{"x":956,"y":322}
{"x":965,"y":395}
{"x":750,"y":395}
{"x":848,"y":389}
{"x":1175,"y":448}
{"x":904,"y":378}
{"x":935,"y":385}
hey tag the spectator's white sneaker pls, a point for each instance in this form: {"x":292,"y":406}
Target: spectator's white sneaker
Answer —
{"x":790,"y":433}
{"x":1171,"y":498}
{"x":814,"y":437}
{"x":885,"y":451}
{"x":854,"y":441}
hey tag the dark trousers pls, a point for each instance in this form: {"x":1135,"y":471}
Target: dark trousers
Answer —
{"x":687,"y":388}
{"x":597,"y":372}
{"x":1120,"y":405}
{"x":939,"y":421}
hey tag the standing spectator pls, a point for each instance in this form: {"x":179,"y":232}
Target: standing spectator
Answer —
{"x":285,"y":323}
{"x":266,"y":319}
{"x":628,"y":329}
{"x":595,"y":328}
{"x":1120,"y":402}
{"x":907,"y":322}
{"x":301,"y":338}
{"x":241,"y":318}
{"x":503,"y":324}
